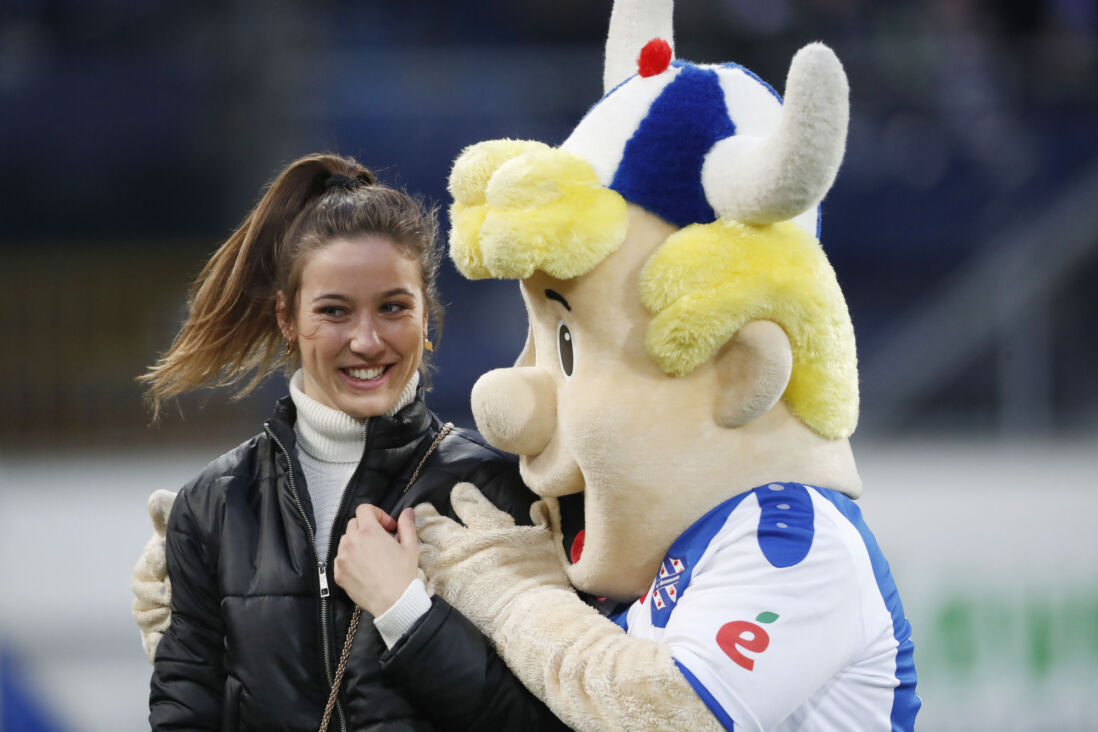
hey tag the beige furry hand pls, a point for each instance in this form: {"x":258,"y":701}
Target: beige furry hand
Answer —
{"x":151,"y":588}
{"x":509,"y":581}
{"x":480,"y":568}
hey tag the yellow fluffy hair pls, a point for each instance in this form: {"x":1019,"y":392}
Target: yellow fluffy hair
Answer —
{"x":522,"y":206}
{"x":708,"y":280}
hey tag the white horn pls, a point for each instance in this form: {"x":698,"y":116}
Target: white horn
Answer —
{"x":633,"y":23}
{"x":764,"y":180}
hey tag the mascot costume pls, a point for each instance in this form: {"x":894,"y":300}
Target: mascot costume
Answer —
{"x":682,"y":405}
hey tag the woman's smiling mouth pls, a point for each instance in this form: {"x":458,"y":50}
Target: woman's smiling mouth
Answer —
{"x":365,"y":376}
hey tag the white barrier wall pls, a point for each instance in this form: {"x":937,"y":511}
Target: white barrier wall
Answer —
{"x":992,"y":544}
{"x":995,"y":551}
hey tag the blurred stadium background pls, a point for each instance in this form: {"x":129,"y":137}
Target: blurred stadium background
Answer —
{"x":963,"y":227}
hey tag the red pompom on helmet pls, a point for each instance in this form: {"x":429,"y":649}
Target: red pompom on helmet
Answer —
{"x":655,"y":57}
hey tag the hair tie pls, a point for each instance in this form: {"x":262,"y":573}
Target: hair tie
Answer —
{"x":338,"y":180}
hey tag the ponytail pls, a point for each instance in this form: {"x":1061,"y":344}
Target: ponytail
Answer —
{"x":232,"y":329}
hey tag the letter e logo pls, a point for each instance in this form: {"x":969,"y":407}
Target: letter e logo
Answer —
{"x":742,"y":634}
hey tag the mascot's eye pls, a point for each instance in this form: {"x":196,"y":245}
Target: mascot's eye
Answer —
{"x":566,"y":349}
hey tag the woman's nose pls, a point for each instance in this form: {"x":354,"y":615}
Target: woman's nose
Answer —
{"x":516,"y":408}
{"x":365,"y":339}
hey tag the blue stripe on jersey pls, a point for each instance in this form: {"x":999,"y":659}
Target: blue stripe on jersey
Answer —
{"x":621,"y":617}
{"x":660,"y":169}
{"x":905,"y":703}
{"x":786,"y":524}
{"x":709,"y":699}
{"x":785,"y":536}
{"x":688,"y":549}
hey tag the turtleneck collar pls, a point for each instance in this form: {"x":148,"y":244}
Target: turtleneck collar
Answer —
{"x":329,"y":434}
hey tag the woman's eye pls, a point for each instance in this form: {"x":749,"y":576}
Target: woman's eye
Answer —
{"x":566,"y":349}
{"x":333,"y":311}
{"x":394,"y":307}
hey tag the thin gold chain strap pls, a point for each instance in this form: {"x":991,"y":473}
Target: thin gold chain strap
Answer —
{"x":438,"y":439}
{"x":358,"y":611}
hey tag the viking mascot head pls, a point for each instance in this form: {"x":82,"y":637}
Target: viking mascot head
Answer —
{"x":688,"y":340}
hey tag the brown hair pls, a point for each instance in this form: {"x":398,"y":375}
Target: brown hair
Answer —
{"x":232,"y":328}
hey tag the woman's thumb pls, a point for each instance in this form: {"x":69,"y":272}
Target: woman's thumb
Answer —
{"x":406,"y":528}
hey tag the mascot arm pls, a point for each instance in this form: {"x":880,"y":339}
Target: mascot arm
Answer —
{"x":508,"y":581}
{"x":452,"y":674}
{"x":152,"y":591}
{"x":188,"y":682}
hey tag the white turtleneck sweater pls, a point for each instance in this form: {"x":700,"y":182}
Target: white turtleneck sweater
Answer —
{"x":329,"y":447}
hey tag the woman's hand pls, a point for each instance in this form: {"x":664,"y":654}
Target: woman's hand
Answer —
{"x":373,"y":565}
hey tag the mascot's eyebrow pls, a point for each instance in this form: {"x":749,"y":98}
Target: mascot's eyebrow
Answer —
{"x":554,"y":295}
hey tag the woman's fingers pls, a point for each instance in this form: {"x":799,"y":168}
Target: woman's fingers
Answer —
{"x":373,"y":565}
{"x":368,"y":515}
{"x":406,"y":529}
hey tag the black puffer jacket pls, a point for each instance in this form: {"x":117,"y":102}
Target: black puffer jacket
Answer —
{"x":253,"y":643}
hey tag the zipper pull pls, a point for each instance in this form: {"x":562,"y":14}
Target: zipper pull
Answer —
{"x":323,"y":580}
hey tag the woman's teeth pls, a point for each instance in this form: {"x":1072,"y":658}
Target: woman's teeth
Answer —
{"x":365,"y":374}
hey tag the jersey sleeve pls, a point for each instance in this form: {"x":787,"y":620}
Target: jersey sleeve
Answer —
{"x":771,"y":612}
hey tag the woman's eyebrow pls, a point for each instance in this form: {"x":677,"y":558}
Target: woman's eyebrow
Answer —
{"x":345,"y":298}
{"x":554,"y":295}
{"x":397,"y":291}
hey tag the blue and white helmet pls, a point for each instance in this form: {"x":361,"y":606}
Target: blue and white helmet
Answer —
{"x":693,"y":143}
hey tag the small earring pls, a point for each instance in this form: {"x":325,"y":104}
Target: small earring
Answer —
{"x":428,"y":345}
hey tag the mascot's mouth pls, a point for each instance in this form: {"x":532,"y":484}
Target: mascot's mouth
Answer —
{"x":571,"y":525}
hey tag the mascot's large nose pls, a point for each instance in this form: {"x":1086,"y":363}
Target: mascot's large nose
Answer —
{"x":516,"y":409}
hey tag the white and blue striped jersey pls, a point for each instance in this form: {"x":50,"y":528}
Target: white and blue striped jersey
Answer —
{"x":781,"y":612}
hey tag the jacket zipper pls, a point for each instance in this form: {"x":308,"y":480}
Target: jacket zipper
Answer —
{"x":323,"y":574}
{"x":322,"y":566}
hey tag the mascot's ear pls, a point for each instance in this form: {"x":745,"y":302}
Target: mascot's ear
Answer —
{"x":753,"y":371}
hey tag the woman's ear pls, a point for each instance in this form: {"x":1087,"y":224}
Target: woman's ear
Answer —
{"x":282,"y":313}
{"x":753,"y":371}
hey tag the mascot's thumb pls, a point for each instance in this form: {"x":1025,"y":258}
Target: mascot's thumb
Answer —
{"x":539,"y":514}
{"x":476,"y":511}
{"x":160,"y":507}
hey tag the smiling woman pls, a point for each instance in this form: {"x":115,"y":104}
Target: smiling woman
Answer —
{"x":360,"y":337}
{"x":246,"y":300}
{"x":331,"y":276}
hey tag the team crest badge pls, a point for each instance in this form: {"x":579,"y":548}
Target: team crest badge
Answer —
{"x":666,"y":591}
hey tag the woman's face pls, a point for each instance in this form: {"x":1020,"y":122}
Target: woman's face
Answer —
{"x":359,"y":321}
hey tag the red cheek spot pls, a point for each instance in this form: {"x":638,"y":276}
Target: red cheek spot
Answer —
{"x":577,"y":547}
{"x":733,"y":636}
{"x":655,"y":57}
